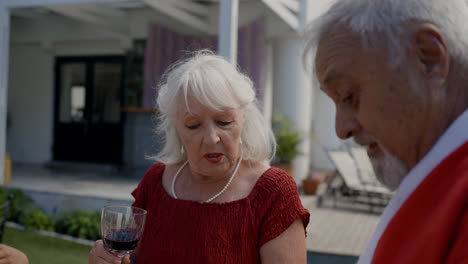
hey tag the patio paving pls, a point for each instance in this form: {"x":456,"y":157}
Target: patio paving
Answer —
{"x":88,"y":180}
{"x":342,"y":230}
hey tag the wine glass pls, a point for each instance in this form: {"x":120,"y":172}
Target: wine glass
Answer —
{"x":121,"y":228}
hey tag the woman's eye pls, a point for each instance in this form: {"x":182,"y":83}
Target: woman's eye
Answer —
{"x":193,"y":126}
{"x":224,"y":123}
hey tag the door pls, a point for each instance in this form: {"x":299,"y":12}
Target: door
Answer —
{"x":88,"y":123}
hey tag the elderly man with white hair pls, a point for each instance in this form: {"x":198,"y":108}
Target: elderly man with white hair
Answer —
{"x":397,"y":71}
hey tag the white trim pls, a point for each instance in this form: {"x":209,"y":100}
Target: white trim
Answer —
{"x":292,"y":5}
{"x":188,"y":19}
{"x":192,"y":7}
{"x":303,"y":14}
{"x":227,"y":31}
{"x":284,"y":13}
{"x":39,"y":3}
{"x":4,"y":59}
{"x":76,"y":12}
{"x":107,"y":11}
{"x":267,"y":102}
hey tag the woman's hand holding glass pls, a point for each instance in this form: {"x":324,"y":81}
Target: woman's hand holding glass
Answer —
{"x":121,"y":230}
{"x":100,"y":255}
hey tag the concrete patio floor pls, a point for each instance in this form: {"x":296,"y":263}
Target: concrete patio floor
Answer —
{"x":341,"y":231}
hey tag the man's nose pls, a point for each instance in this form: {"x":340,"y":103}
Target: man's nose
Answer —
{"x":346,"y":125}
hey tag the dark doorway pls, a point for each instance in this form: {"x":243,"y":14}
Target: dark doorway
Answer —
{"x":88,"y":96}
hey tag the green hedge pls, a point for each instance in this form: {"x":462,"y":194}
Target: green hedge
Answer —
{"x":79,"y":224}
{"x":76,"y":223}
{"x":20,"y":206}
{"x":24,"y":212}
{"x":37,"y":220}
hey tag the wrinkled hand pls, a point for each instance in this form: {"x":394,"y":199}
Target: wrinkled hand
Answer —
{"x":9,"y":255}
{"x":99,"y":255}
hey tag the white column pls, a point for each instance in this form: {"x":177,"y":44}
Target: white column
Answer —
{"x":323,"y":109}
{"x":304,"y":13}
{"x":4,"y":55}
{"x":324,"y":130}
{"x":268,"y":88}
{"x":292,"y":95}
{"x":228,"y":20}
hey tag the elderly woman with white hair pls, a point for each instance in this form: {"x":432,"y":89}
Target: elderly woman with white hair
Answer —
{"x":210,"y":196}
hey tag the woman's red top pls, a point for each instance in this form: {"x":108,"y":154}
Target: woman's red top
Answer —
{"x":182,"y":231}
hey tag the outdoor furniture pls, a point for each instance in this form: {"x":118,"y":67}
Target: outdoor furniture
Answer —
{"x":4,"y":208}
{"x":353,"y":184}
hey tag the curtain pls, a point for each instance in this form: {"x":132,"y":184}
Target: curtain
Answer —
{"x":165,"y":47}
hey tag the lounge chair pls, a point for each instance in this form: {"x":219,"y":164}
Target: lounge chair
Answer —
{"x":352,"y":186}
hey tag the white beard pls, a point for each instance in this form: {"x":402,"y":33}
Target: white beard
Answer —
{"x":389,"y":170}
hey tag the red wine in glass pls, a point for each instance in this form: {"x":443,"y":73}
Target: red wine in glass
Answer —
{"x":123,"y":241}
{"x":121,"y":228}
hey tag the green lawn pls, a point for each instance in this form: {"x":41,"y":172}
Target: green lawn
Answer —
{"x":46,"y":250}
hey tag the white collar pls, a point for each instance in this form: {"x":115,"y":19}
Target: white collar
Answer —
{"x":454,"y":137}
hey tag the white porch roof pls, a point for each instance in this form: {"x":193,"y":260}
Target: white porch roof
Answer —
{"x":111,"y":14}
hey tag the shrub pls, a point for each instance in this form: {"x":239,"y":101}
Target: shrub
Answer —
{"x":75,"y":223}
{"x":287,"y":139}
{"x":20,"y":206}
{"x":37,"y":220}
{"x":79,"y":224}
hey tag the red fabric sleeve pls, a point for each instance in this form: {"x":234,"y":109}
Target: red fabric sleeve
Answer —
{"x":149,"y":179}
{"x":284,"y":207}
{"x":139,"y":195}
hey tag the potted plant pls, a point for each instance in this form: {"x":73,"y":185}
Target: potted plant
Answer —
{"x":287,"y":140}
{"x":311,"y":183}
{"x":314,"y":178}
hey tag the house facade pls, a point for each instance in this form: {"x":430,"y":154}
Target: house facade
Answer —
{"x":78,"y":77}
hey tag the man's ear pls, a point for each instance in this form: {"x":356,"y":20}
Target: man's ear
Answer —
{"x":428,"y":47}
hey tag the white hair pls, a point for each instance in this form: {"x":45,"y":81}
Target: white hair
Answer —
{"x":218,"y":85}
{"x":387,"y":17}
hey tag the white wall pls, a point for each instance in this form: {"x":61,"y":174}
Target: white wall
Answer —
{"x":30,"y":103}
{"x":55,"y":28}
{"x":292,"y":95}
{"x":324,"y":130}
{"x":88,"y":48}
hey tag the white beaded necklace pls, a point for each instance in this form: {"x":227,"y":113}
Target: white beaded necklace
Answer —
{"x":216,"y":195}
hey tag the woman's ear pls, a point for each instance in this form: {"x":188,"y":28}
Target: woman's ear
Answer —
{"x":428,"y":47}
